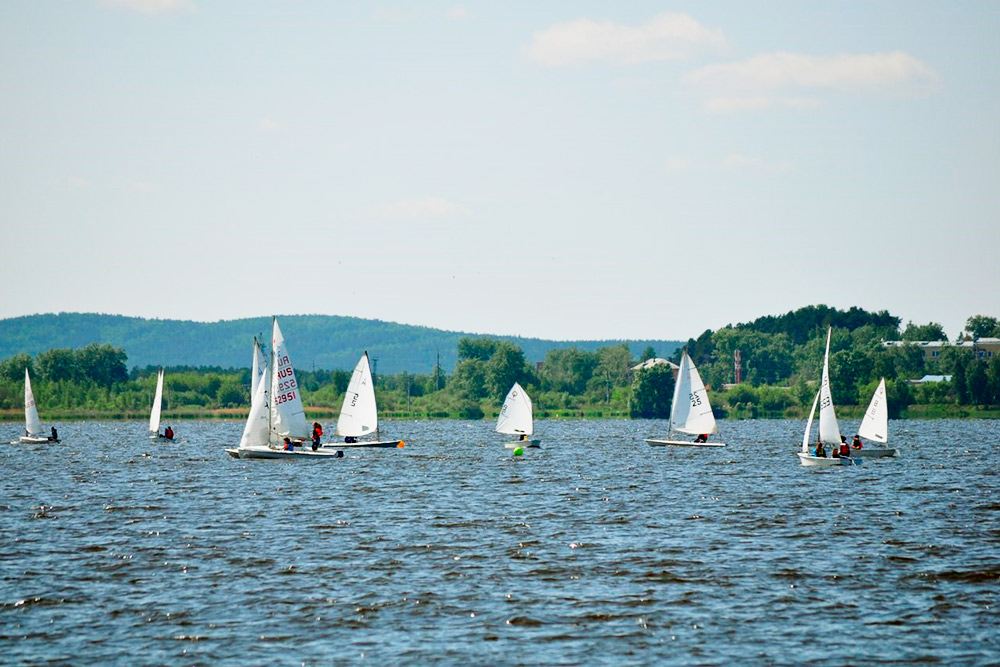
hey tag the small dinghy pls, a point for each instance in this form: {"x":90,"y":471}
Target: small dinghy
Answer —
{"x":33,"y":433}
{"x":359,"y":412}
{"x":690,"y":411}
{"x":829,"y":429}
{"x":517,"y":418}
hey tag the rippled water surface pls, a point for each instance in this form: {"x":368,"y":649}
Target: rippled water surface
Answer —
{"x":595,"y":549}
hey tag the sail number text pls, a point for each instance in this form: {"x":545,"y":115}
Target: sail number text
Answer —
{"x":695,"y":400}
{"x":284,"y":398}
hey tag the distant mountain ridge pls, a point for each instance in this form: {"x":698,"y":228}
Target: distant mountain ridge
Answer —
{"x":315,"y":341}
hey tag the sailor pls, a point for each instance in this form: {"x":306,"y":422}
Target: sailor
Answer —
{"x":55,"y":435}
{"x":168,"y":433}
{"x":702,"y":438}
{"x":289,"y":447}
{"x":820,"y":450}
{"x":856,"y":443}
{"x":316,"y":435}
{"x":845,"y":451}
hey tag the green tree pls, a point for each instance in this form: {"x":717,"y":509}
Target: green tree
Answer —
{"x":477,"y":348}
{"x":469,"y":378}
{"x":567,"y":370}
{"x":959,"y":380}
{"x":648,"y":353}
{"x":652,"y":392}
{"x":505,"y":367}
{"x":978,"y":383}
{"x":929,"y":331}
{"x":982,"y":326}
{"x":12,"y":368}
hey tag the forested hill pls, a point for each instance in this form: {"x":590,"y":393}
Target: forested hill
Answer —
{"x":320,"y":341}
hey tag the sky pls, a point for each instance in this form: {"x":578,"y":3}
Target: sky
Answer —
{"x":563,"y":170}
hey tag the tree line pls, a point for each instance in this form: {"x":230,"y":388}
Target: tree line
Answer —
{"x":781,"y":361}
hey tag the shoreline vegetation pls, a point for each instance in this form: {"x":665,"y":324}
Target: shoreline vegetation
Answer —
{"x":852,"y":413}
{"x":765,"y":369}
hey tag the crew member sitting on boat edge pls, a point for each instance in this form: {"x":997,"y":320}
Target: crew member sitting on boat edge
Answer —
{"x":845,"y":451}
{"x":702,"y":438}
{"x":856,"y":443}
{"x":289,"y":447}
{"x":55,"y":436}
{"x":820,"y":450}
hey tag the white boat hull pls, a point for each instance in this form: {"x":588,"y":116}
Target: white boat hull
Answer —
{"x":682,"y":443}
{"x":877,"y":452}
{"x":275,"y":453}
{"x":377,"y":444}
{"x":33,"y":440}
{"x":811,"y":461}
{"x":536,"y":444}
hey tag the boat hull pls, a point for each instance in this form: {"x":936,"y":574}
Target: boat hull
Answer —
{"x":269,"y":453}
{"x":652,"y":442}
{"x":370,"y":444}
{"x":878,"y":452}
{"x":31,"y":440}
{"x":811,"y":461}
{"x":534,"y":444}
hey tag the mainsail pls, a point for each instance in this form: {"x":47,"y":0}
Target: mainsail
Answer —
{"x":359,"y":413}
{"x":515,"y":415}
{"x":154,"y":414}
{"x":875,"y":425}
{"x":829,"y":430}
{"x":288,"y":418}
{"x":690,"y":411}
{"x":32,"y":424}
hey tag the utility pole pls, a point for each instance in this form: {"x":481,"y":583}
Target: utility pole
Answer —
{"x":738,"y":364}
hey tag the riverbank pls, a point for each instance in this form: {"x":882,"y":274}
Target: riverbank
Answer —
{"x":327,"y":414}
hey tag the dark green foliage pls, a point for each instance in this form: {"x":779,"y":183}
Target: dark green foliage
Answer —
{"x":809,"y":322}
{"x":982,"y":326}
{"x":929,"y":331}
{"x":652,"y":393}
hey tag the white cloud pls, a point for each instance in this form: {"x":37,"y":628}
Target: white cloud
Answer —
{"x":418,"y":209}
{"x":773,"y":79}
{"x":150,"y":6}
{"x":668,"y":36}
{"x":737,"y":161}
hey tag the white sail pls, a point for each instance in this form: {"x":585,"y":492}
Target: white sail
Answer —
{"x":359,"y":413}
{"x":256,"y":433}
{"x":875,"y":425}
{"x":829,"y":430}
{"x":32,"y":424}
{"x":154,"y":414}
{"x":515,"y":415}
{"x":288,"y":418}
{"x":258,"y":368}
{"x":690,"y":411}
{"x":809,"y":425}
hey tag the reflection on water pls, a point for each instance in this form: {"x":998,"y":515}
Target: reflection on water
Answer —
{"x":595,"y":549}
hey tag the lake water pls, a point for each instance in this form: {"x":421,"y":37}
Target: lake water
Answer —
{"x":594,"y":550}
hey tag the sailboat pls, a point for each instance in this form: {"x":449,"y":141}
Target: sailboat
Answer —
{"x":359,"y":413}
{"x":32,"y":424}
{"x":516,"y":418}
{"x":829,"y":429}
{"x":276,"y":412}
{"x":875,"y":426}
{"x":154,"y":414}
{"x":690,"y":411}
